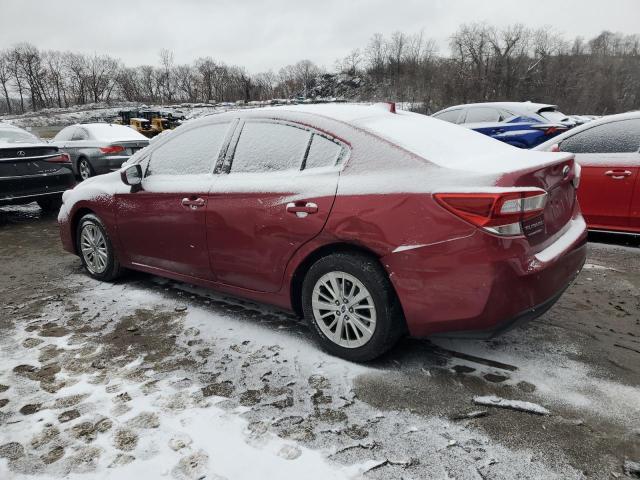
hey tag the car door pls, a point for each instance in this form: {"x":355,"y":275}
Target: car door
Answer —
{"x":608,"y":154}
{"x":275,"y":195}
{"x":162,"y":224}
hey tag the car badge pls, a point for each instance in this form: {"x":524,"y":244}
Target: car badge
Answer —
{"x":21,"y":153}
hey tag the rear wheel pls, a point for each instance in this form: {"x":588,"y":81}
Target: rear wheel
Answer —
{"x":351,"y":306}
{"x":50,"y":204}
{"x":96,"y":250}
{"x":85,"y":170}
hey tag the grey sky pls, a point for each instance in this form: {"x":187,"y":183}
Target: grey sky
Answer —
{"x":263,"y":35}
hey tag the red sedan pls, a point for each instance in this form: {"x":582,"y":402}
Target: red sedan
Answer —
{"x":369,"y":223}
{"x":608,"y":150}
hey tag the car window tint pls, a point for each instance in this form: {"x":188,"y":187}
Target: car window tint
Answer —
{"x":449,"y":116}
{"x":191,"y":152}
{"x":270,"y":147}
{"x":322,"y":153}
{"x":614,"y":137}
{"x":482,"y":114}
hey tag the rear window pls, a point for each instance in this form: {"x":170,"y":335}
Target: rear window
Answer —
{"x":553,"y":116}
{"x":109,"y":132}
{"x":14,"y":135}
{"x":270,"y":147}
{"x":615,"y":137}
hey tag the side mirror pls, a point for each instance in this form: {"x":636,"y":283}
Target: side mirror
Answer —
{"x":555,"y":148}
{"x":132,"y":175}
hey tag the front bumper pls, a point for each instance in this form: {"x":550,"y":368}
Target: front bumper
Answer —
{"x":480,"y":284}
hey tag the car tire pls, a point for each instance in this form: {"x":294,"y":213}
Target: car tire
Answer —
{"x":96,"y":249}
{"x":85,"y":169}
{"x":50,"y":204}
{"x":355,"y":275}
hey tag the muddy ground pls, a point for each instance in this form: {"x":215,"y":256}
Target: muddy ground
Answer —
{"x":107,"y":378}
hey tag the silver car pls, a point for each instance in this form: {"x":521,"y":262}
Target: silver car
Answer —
{"x":96,"y":148}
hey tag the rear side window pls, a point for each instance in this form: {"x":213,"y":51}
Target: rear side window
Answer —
{"x":482,"y":114}
{"x":615,"y":137}
{"x":64,"y":134}
{"x":270,"y":147}
{"x":449,"y":116}
{"x":192,"y":152}
{"x":322,"y":153}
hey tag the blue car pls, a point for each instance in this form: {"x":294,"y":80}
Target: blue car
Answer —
{"x":521,"y":124}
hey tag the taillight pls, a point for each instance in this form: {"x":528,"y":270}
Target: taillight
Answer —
{"x":500,"y":213}
{"x":61,"y":158}
{"x":112,"y":149}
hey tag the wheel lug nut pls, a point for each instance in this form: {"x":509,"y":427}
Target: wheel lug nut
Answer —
{"x":351,"y":310}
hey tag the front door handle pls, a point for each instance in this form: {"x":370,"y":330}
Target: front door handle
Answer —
{"x":617,"y":174}
{"x":193,"y":203}
{"x":302,"y":209}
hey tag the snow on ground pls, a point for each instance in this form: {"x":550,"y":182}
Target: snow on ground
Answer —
{"x":221,"y":397}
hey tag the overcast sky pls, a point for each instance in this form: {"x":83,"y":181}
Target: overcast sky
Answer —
{"x":263,"y":35}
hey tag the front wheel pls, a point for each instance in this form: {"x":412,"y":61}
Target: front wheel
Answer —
{"x":96,"y":250}
{"x":351,"y":306}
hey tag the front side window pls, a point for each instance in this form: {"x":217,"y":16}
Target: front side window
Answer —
{"x":322,"y":153}
{"x":80,"y":134}
{"x":482,"y":114}
{"x":192,"y":152}
{"x":622,"y":136}
{"x":270,"y":147}
{"x":448,"y":116}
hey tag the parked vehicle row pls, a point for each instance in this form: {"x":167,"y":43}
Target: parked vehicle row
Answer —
{"x":521,"y":124}
{"x":369,"y":223}
{"x":32,"y":170}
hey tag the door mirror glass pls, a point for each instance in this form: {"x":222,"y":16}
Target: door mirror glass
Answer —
{"x":132,"y":175}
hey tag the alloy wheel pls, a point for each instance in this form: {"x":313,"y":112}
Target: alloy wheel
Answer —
{"x":85,"y":169}
{"x":343,"y":309}
{"x":94,"y":248}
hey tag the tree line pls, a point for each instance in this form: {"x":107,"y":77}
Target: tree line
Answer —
{"x":484,"y":63}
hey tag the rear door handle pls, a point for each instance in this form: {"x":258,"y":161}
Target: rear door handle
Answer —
{"x":193,"y":202}
{"x":617,"y":174}
{"x":302,"y":209}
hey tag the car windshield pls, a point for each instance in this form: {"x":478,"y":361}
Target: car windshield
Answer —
{"x":14,"y":135}
{"x":554,"y":116}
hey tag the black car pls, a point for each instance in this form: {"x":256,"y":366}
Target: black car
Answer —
{"x":32,"y":170}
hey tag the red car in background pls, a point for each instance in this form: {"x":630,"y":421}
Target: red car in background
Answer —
{"x":608,"y":150}
{"x":369,"y":223}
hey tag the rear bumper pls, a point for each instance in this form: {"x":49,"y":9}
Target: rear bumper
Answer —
{"x":480,"y":285}
{"x":29,"y":188}
{"x":108,"y":164}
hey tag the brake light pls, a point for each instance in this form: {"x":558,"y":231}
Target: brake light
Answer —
{"x":61,"y":158}
{"x":112,"y":149}
{"x":500,"y":213}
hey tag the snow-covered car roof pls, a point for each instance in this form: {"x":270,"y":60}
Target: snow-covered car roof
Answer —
{"x":112,"y":132}
{"x":599,"y":121}
{"x":29,"y":137}
{"x":528,"y":106}
{"x":439,"y":142}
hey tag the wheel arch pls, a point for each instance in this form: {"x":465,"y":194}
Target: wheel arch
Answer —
{"x":295,"y":285}
{"x":75,"y":221}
